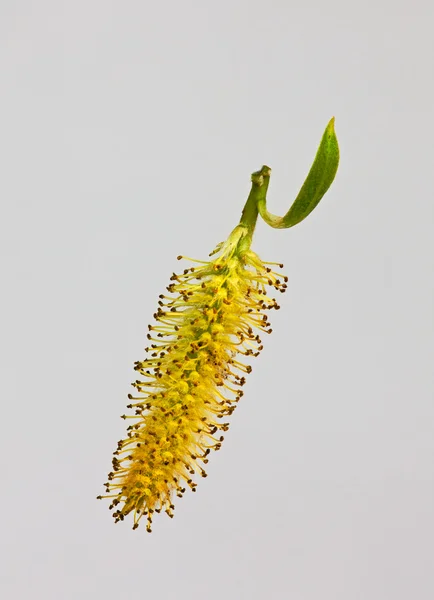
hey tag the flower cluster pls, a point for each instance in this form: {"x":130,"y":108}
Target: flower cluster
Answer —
{"x":210,"y":319}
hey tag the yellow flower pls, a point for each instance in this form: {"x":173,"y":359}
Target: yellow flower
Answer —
{"x":205,"y":329}
{"x":192,"y":378}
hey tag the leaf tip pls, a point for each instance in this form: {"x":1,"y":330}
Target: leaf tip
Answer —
{"x":331,"y":125}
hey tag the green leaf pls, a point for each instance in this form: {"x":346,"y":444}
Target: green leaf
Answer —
{"x":317,"y":183}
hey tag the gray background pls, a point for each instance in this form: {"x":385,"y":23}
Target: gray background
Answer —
{"x":128,"y":132}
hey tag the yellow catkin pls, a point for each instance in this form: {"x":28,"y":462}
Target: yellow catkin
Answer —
{"x":209,"y":321}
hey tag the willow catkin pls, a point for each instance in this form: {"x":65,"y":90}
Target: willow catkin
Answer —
{"x":205,"y":329}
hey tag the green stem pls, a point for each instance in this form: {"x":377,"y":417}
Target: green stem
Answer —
{"x":260,"y":180}
{"x":318,"y":181}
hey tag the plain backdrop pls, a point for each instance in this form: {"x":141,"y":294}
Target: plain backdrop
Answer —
{"x":128,"y":133}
